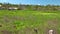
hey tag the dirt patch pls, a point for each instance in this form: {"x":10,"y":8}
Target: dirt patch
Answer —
{"x":52,"y":24}
{"x":29,"y":30}
{"x":6,"y":32}
{"x":18,"y":18}
{"x":54,"y":30}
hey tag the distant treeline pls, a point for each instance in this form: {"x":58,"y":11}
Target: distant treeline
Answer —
{"x":30,"y":7}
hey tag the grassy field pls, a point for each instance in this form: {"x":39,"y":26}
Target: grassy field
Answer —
{"x":25,"y":21}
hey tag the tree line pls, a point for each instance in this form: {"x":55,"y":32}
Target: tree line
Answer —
{"x":30,"y":7}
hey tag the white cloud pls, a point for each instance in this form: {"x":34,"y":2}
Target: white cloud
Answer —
{"x":38,"y":4}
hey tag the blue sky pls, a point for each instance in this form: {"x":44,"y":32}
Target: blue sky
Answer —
{"x":39,"y":2}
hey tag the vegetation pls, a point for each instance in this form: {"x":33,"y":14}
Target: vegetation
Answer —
{"x":25,"y":21}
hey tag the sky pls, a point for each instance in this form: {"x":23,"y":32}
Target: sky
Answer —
{"x":34,"y":2}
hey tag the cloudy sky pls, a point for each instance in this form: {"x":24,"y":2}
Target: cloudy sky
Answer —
{"x":42,"y":2}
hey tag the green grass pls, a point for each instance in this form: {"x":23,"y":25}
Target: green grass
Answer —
{"x":23,"y":20}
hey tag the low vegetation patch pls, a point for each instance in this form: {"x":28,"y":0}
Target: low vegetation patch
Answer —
{"x":24,"y":21}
